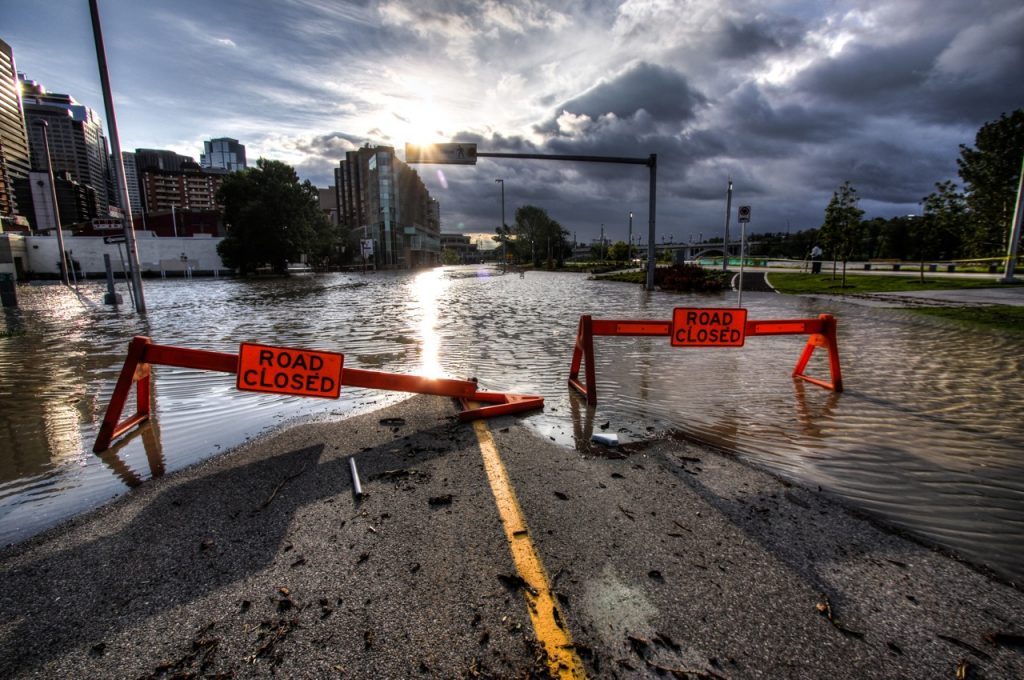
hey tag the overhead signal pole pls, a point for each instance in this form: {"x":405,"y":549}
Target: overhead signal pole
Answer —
{"x":457,"y":153}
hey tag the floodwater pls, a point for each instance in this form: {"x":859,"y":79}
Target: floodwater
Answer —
{"x":929,"y":433}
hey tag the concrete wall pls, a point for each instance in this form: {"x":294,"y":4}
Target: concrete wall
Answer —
{"x":11,"y":246}
{"x":42,"y":259}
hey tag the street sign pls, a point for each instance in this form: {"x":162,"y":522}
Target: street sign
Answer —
{"x":283,"y":370}
{"x":455,"y":153}
{"x":744,"y":213}
{"x":110,"y":240}
{"x":105,"y":224}
{"x":366,"y":247}
{"x":708,"y":327}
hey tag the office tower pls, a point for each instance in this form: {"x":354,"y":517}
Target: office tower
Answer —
{"x":382,"y":198}
{"x":74,"y":201}
{"x":131,"y":178}
{"x":160,"y":159}
{"x":14,"y":154}
{"x":187,"y":189}
{"x":223,"y":153}
{"x":78,"y":144}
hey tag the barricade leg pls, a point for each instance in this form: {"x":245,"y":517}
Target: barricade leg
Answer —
{"x":502,"y":403}
{"x":826,"y":339}
{"x":135,"y":370}
{"x":584,"y":352}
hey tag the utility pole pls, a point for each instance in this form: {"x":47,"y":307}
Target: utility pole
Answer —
{"x":53,"y":200}
{"x":1011,"y":251}
{"x":728,"y":210}
{"x":652,"y":165}
{"x":629,"y":251}
{"x":501,"y":229}
{"x":115,"y":146}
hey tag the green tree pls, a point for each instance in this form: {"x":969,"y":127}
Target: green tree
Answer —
{"x":502,"y":235}
{"x":539,"y":237}
{"x":991,"y":171}
{"x":273,"y":219}
{"x":842,"y":231}
{"x":618,"y":251}
{"x":937,"y":233}
{"x":450,"y":256}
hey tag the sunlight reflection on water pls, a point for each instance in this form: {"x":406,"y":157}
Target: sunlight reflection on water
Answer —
{"x":928,"y":433}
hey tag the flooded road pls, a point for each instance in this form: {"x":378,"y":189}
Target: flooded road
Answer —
{"x":929,"y":432}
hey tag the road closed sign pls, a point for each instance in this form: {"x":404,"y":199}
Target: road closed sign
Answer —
{"x":284,"y":370}
{"x":708,"y":327}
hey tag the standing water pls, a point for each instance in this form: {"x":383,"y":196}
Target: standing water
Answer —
{"x":928,"y":433}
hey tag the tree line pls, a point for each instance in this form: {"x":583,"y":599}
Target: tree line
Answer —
{"x":957,"y":222}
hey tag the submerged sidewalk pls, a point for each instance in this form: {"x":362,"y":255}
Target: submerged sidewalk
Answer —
{"x":667,"y":560}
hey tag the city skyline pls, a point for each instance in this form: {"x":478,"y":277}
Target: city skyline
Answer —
{"x":786,"y":98}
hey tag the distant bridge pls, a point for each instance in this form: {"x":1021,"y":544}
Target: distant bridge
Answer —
{"x":692,"y":251}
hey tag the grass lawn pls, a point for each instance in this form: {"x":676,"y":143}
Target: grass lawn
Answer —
{"x":1006,"y":318}
{"x":797,"y":283}
{"x":627,"y":277}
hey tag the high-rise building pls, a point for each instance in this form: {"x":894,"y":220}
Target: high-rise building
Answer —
{"x":223,"y":153}
{"x":382,"y":198}
{"x":329,"y":203}
{"x":74,"y":200}
{"x":131,"y":179}
{"x":188,"y":189}
{"x":160,"y":159}
{"x":14,"y":154}
{"x":78,"y":144}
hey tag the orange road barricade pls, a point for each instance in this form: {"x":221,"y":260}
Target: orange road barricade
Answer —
{"x":707,"y":327}
{"x":284,"y":370}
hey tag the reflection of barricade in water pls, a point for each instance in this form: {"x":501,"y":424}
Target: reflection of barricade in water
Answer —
{"x":143,"y":353}
{"x":822,"y":332}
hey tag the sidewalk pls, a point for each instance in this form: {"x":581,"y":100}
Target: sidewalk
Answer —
{"x":667,"y":559}
{"x":965,"y":297}
{"x":1004,"y":295}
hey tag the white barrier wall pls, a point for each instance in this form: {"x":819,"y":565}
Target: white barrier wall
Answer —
{"x":201,"y":252}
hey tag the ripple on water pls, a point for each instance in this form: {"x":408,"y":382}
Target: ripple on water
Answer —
{"x":928,"y":433}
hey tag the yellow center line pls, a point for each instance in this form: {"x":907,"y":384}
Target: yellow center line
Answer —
{"x":548,"y":621}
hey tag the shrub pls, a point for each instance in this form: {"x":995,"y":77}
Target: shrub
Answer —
{"x":691,"y":278}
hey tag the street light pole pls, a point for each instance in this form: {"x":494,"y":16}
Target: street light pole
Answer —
{"x":115,"y":145}
{"x":629,"y":250}
{"x":501,"y":232}
{"x":1018,"y":215}
{"x":728,"y":210}
{"x":53,"y":200}
{"x":652,"y":165}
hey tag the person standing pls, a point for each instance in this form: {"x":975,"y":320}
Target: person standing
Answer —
{"x":816,"y":254}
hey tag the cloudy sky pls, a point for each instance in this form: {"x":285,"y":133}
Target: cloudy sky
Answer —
{"x":789,"y":98}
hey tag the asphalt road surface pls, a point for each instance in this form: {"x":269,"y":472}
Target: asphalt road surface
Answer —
{"x":487,"y":551}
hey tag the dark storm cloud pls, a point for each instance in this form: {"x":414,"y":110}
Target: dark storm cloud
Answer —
{"x":332,"y":145}
{"x":873,"y":79}
{"x":966,"y":73}
{"x":664,"y":93}
{"x":744,"y":39}
{"x":750,"y":124}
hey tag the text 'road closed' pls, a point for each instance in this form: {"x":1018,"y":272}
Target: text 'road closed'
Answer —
{"x":708,"y":327}
{"x":283,"y":370}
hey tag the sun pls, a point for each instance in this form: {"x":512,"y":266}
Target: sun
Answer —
{"x":424,"y":124}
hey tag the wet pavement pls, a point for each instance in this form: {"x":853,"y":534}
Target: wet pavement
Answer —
{"x":664,"y":559}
